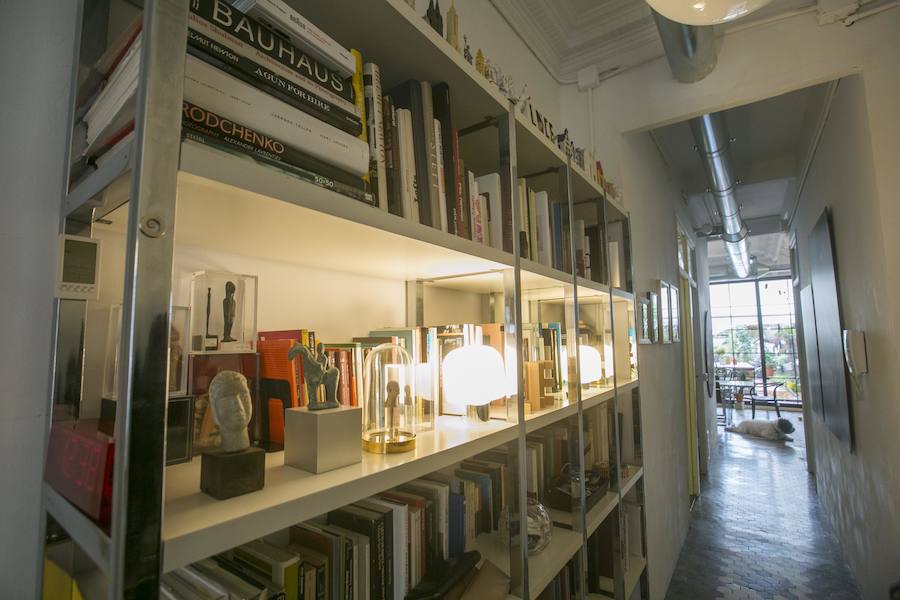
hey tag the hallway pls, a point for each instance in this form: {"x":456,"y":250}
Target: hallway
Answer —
{"x":759,"y":531}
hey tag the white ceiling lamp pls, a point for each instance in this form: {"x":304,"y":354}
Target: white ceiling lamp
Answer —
{"x":705,"y":12}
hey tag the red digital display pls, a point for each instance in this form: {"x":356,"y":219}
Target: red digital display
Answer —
{"x":79,"y":466}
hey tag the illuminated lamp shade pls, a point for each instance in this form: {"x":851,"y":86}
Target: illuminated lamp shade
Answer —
{"x":475,"y":376}
{"x":705,"y":12}
{"x":590,"y":364}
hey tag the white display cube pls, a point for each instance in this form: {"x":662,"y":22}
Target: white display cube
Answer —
{"x":322,"y":440}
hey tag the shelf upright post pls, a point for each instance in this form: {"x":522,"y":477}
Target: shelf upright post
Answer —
{"x":572,"y":318}
{"x":512,"y":317}
{"x":619,"y":547}
{"x":138,"y":480}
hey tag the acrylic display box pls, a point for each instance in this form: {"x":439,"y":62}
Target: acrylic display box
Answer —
{"x":223,"y":312}
{"x":178,"y":352}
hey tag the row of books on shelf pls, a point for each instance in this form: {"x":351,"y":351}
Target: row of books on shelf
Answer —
{"x":564,"y":586}
{"x":601,"y":553}
{"x":413,"y":541}
{"x":266,"y":83}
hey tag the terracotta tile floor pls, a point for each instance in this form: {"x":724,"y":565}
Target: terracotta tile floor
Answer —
{"x":758,"y":530}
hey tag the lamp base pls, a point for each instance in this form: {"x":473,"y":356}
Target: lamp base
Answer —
{"x":479,"y":413}
{"x":382,"y":441}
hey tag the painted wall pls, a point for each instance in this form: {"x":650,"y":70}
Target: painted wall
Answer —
{"x":32,"y":116}
{"x":754,"y":64}
{"x":861,"y":490}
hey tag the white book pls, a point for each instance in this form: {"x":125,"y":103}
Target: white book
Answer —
{"x":215,"y":90}
{"x":544,"y":241}
{"x":485,"y":224}
{"x":401,"y":544}
{"x":375,"y":124}
{"x":114,"y":107}
{"x":489,"y":187}
{"x":325,"y":91}
{"x":442,"y":189}
{"x":407,"y":165}
{"x":281,"y":17}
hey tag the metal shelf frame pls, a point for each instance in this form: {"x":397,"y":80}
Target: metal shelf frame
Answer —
{"x":129,"y":559}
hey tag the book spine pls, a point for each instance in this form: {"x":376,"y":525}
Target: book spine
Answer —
{"x":348,"y":569}
{"x":206,"y":127}
{"x":375,"y":123}
{"x":433,"y":195}
{"x":466,"y":207}
{"x":255,"y":35}
{"x":206,"y":86}
{"x":442,"y":193}
{"x":391,"y":156}
{"x":304,"y":34}
{"x":253,"y":73}
{"x":449,"y":150}
{"x":507,"y":196}
{"x":408,"y":172}
{"x":459,"y":222}
{"x":475,"y":205}
{"x":533,"y":247}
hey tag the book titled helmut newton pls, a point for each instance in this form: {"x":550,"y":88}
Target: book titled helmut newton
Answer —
{"x":289,"y":23}
{"x":215,"y":90}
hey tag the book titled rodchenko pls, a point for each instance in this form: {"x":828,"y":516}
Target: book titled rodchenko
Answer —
{"x":215,"y":90}
{"x":206,"y":127}
{"x":291,"y":24}
{"x":259,"y":37}
{"x":253,"y":73}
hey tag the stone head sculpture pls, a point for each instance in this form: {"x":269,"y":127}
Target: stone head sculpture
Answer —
{"x":232,"y":408}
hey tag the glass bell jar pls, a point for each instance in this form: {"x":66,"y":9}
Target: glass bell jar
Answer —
{"x":389,"y":400}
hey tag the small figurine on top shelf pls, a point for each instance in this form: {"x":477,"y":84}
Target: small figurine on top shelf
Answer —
{"x":490,"y":71}
{"x":453,"y":27}
{"x":467,"y":51}
{"x":479,"y":62}
{"x":434,"y":18}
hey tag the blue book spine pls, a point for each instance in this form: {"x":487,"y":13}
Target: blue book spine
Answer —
{"x":457,"y":539}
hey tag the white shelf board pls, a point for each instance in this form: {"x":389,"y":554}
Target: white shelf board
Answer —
{"x":631,"y":481}
{"x":220,"y":192}
{"x":196,"y":525}
{"x":543,"y":566}
{"x":636,"y":567}
{"x":89,"y":537}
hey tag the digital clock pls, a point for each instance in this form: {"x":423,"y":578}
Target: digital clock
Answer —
{"x":79,"y":268}
{"x":80,"y":467}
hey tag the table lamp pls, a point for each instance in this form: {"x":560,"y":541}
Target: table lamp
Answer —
{"x":474,"y":375}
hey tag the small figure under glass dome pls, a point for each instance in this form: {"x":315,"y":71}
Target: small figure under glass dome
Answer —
{"x":389,"y":407}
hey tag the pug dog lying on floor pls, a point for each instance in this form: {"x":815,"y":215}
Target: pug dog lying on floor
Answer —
{"x":768,"y":430}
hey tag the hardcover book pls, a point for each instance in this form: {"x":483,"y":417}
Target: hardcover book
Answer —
{"x":256,"y":35}
{"x":449,"y":146}
{"x":408,"y":96}
{"x":214,"y":90}
{"x":371,"y":525}
{"x":375,"y":124}
{"x":284,"y":87}
{"x":292,"y":25}
{"x":489,"y":188}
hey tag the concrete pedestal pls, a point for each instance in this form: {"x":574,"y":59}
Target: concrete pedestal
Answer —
{"x":322,"y":440}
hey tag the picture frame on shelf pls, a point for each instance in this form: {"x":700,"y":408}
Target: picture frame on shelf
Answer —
{"x":644,"y":312}
{"x":675,"y":303}
{"x":665,"y":313}
{"x":653,"y":324}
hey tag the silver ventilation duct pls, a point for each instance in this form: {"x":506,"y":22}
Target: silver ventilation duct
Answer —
{"x":713,"y":146}
{"x":691,"y":52}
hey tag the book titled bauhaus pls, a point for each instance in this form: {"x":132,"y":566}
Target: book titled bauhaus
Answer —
{"x":215,"y":90}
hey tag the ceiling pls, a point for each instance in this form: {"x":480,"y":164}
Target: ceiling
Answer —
{"x":771,"y":140}
{"x":609,"y":35}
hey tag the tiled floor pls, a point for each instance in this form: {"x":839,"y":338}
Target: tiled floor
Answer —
{"x":758,"y":530}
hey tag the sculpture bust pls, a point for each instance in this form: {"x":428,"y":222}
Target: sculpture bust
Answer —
{"x":232,"y":408}
{"x":316,"y":372}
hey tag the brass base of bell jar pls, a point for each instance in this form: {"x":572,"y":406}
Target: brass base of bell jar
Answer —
{"x":382,"y":441}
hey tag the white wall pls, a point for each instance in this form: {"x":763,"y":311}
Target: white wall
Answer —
{"x":33,"y":95}
{"x":861,"y":490}
{"x":754,"y":64}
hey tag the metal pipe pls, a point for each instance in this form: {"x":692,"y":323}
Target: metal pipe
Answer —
{"x":690,"y":50}
{"x":713,"y":145}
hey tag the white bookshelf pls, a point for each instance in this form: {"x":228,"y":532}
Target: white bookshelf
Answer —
{"x":270,"y":215}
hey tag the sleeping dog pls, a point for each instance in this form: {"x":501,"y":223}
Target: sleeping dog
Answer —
{"x":769,"y":430}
